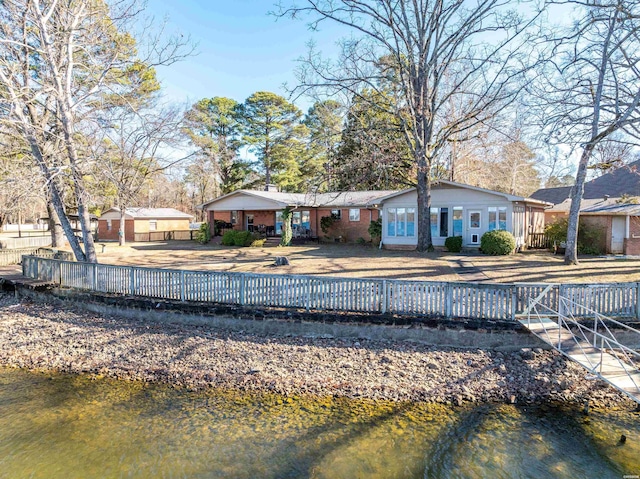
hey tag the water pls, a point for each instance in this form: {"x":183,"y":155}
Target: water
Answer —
{"x":58,"y":426}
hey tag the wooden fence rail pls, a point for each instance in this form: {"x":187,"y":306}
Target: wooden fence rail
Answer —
{"x":181,"y":235}
{"x":441,"y":299}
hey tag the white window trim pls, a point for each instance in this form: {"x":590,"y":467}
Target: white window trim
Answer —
{"x":352,"y":216}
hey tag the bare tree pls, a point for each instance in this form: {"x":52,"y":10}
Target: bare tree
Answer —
{"x":135,"y":146}
{"x":426,"y":52}
{"x":59,"y":63}
{"x":590,"y":88}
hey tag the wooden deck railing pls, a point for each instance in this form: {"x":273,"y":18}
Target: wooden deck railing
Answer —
{"x":443,"y":299}
{"x":538,"y":241}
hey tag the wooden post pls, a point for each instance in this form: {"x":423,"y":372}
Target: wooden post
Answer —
{"x":94,"y":279}
{"x":182,"y":285}
{"x":243,"y":280}
{"x":448,"y":300}
{"x":637,"y":300}
{"x":132,"y":280}
{"x":308,"y":294}
{"x":383,"y":298}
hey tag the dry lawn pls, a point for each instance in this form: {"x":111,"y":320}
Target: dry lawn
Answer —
{"x":367,"y":262}
{"x":326,"y":260}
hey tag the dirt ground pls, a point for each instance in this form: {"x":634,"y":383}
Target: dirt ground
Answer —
{"x":364,"y":261}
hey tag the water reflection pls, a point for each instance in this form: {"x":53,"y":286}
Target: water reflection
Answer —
{"x":73,"y":426}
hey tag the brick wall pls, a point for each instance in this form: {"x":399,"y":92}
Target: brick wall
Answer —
{"x":631,"y":244}
{"x":348,"y":230}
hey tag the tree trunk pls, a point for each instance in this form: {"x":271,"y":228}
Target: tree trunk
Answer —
{"x":56,"y":198}
{"x":121,"y":228}
{"x":55,"y":228}
{"x":571,"y":251}
{"x":424,"y":207}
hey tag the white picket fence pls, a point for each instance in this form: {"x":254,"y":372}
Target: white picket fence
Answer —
{"x":27,"y":242}
{"x":418,"y":298}
{"x":14,"y":256}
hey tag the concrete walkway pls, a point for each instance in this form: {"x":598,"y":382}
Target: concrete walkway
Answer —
{"x":464,"y":267}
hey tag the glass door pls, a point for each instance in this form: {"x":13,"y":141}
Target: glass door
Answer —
{"x":475,"y":225}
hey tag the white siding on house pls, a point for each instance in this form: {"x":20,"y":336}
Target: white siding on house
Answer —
{"x":245,"y":202}
{"x":451,"y":197}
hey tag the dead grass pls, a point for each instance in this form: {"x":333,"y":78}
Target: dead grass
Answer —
{"x":362,"y":261}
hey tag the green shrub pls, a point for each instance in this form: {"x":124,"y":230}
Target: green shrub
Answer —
{"x":590,"y":237}
{"x":238,"y":238}
{"x":229,"y":238}
{"x":326,"y":222}
{"x":361,"y":241}
{"x":497,"y":242}
{"x":243,"y":238}
{"x":258,"y":243}
{"x":453,"y":244}
{"x":375,"y":230}
{"x":287,"y":231}
{"x":203,"y":236}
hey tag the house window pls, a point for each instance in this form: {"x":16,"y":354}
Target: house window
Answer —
{"x":497,"y":218}
{"x":354,"y":214}
{"x":401,"y":222}
{"x":153,"y":225}
{"x":474,"y":219}
{"x":457,"y":221}
{"x":234,"y":217}
{"x":109,"y":226}
{"x":301,"y":221}
{"x":439,"y":222}
{"x":433,"y":221}
{"x":444,"y":222}
{"x":337,"y":214}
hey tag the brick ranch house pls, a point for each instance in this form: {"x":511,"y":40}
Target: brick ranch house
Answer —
{"x":610,"y":203}
{"x":261,"y":211}
{"x":457,"y":209}
{"x":145,"y":224}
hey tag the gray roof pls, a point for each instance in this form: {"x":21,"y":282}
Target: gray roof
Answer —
{"x":152,"y":213}
{"x":621,"y":181}
{"x":611,"y":207}
{"x":338,"y":199}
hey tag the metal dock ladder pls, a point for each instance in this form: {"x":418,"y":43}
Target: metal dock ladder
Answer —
{"x":586,"y":337}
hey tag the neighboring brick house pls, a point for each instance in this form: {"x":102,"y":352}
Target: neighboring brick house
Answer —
{"x":609,"y":203}
{"x":145,"y":224}
{"x":261,"y":211}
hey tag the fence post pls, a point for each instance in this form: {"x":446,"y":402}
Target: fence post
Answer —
{"x":243,"y":281}
{"x":182,"y":285}
{"x":514,"y":298}
{"x":383,"y":297}
{"x":132,"y":280}
{"x":94,"y":285}
{"x":308,"y":294}
{"x":448,"y":300}
{"x":637,"y":300}
{"x":59,"y":264}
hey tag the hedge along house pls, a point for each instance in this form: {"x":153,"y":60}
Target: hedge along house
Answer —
{"x":460,"y":210}
{"x":261,"y":212}
{"x":145,"y":224}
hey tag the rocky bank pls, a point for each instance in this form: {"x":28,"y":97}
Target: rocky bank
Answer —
{"x":47,"y":337}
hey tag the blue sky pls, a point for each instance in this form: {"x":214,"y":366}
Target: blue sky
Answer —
{"x":241,"y":49}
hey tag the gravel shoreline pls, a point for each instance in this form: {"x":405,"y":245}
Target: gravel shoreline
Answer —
{"x":46,"y":337}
